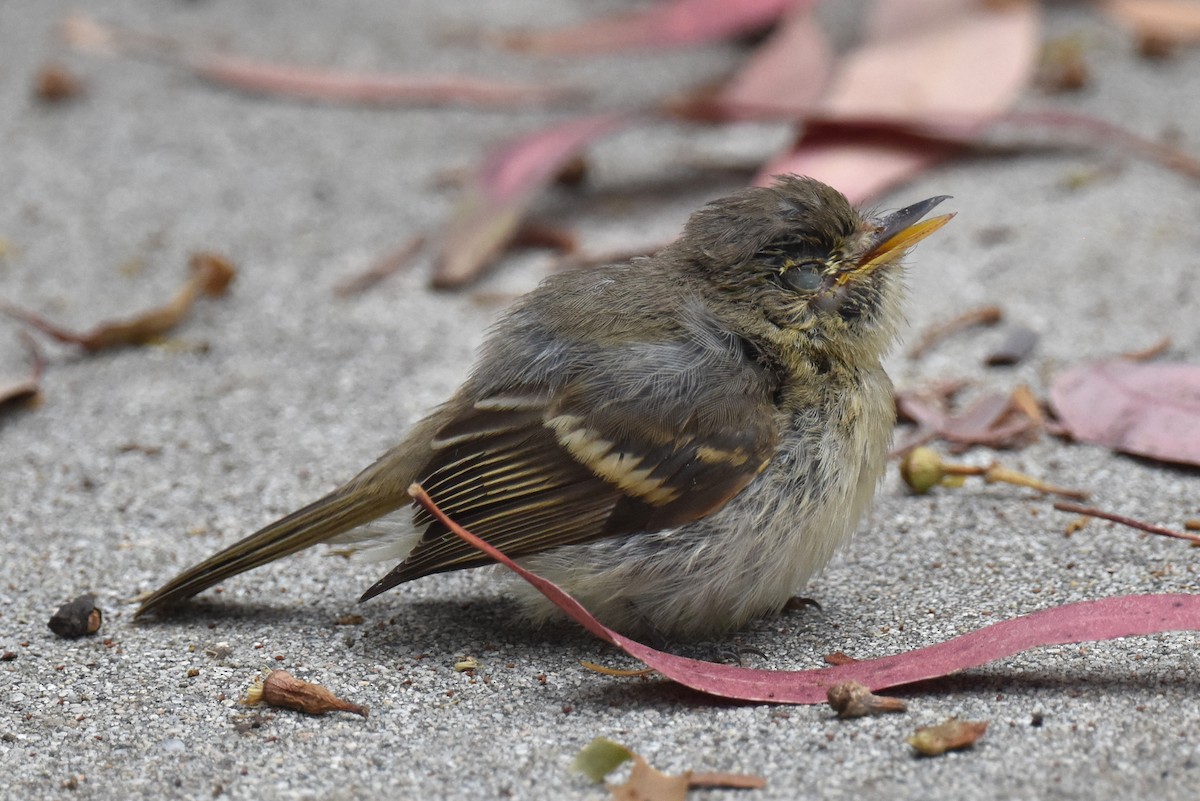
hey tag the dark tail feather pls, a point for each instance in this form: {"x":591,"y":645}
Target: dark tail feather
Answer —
{"x":338,"y":512}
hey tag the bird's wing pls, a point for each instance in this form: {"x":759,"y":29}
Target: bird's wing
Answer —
{"x":643,"y":437}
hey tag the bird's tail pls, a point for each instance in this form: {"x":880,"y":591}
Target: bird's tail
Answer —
{"x":340,"y":511}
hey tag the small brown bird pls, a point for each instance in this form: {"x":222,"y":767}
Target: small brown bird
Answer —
{"x":679,"y":441}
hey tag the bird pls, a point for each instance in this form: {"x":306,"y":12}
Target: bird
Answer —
{"x":680,"y":440}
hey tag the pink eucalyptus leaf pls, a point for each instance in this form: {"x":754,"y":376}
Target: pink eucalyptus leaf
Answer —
{"x":837,"y":146}
{"x":785,"y":75}
{"x":328,"y":85}
{"x":1089,"y":621}
{"x":921,"y":61}
{"x":862,"y":166}
{"x":318,"y":84}
{"x":1145,"y":409}
{"x":495,"y":203}
{"x":1170,"y":20}
{"x":675,"y":23}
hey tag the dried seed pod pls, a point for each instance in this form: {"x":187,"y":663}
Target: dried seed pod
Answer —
{"x":921,"y":470}
{"x":853,"y":700}
{"x":282,"y":689}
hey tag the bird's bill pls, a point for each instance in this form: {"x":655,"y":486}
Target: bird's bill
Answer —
{"x":900,"y":231}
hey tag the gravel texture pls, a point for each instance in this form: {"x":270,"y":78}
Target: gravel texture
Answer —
{"x":142,"y":461}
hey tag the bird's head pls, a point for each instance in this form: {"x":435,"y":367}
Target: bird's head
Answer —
{"x":796,"y":265}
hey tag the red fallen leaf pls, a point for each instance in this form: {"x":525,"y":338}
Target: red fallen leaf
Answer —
{"x":1144,"y":409}
{"x":994,"y":420}
{"x":920,"y":61}
{"x":1176,"y":21}
{"x":317,"y":84}
{"x":490,"y":214}
{"x":1087,"y":621}
{"x":677,"y":23}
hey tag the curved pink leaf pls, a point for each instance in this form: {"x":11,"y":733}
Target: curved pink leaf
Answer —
{"x":921,"y":61}
{"x":1144,"y":409}
{"x":322,"y":84}
{"x":1089,"y":621}
{"x":496,"y":201}
{"x":369,"y":89}
{"x":785,"y":75}
{"x":678,"y":23}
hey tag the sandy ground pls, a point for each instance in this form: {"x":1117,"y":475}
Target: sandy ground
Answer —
{"x":142,"y":461}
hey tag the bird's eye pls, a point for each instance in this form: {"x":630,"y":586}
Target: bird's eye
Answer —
{"x":802,"y":277}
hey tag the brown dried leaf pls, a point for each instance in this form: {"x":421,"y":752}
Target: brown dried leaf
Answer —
{"x":952,"y":735}
{"x":839,"y":658}
{"x":1150,"y":410}
{"x":211,"y":274}
{"x":26,"y":390}
{"x":282,"y":689}
{"x":1168,"y":21}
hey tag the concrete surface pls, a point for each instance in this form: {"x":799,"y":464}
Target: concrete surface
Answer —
{"x":142,"y":461}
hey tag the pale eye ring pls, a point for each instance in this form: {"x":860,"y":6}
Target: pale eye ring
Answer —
{"x":803,"y":277}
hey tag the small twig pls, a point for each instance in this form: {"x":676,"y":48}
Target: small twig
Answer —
{"x":27,"y":389}
{"x":984,"y":315}
{"x":1146,"y":354}
{"x":1150,"y":528}
{"x":389,"y":265}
